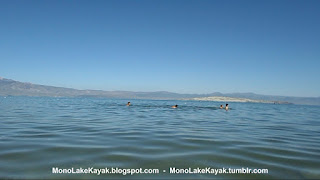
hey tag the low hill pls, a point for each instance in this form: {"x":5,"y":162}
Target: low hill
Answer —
{"x":10,"y":87}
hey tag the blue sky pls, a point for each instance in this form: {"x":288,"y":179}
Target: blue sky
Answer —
{"x":267,"y":47}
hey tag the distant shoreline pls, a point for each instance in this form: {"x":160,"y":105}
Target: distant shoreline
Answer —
{"x":213,"y":99}
{"x":10,"y":87}
{"x":231,"y":99}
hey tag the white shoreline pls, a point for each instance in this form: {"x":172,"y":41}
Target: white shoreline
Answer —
{"x":227,"y":99}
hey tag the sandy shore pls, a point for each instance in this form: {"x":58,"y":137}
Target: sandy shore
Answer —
{"x":227,"y":99}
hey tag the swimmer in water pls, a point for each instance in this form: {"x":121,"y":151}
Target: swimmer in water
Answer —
{"x":227,"y":107}
{"x":175,"y":106}
{"x":221,"y":106}
{"x":128,"y":104}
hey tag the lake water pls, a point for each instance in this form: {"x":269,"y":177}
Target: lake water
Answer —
{"x":39,"y":133}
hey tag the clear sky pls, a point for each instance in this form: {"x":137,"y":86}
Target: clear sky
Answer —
{"x":266,"y":47}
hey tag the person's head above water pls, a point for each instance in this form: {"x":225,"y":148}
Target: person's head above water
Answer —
{"x":227,"y":106}
{"x":221,"y":106}
{"x":128,"y":104}
{"x":175,"y":106}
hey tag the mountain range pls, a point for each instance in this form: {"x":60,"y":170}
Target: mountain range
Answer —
{"x":10,"y":87}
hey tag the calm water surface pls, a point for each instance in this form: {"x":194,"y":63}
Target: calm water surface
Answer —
{"x":37,"y":134}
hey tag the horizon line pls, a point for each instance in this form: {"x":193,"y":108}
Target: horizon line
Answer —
{"x":2,"y":78}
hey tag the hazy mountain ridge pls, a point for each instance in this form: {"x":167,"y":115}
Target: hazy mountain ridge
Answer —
{"x":10,"y":87}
